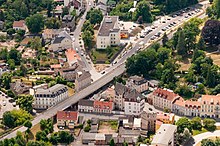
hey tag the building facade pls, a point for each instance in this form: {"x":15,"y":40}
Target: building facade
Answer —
{"x":148,"y":119}
{"x":67,"y":119}
{"x":83,"y":80}
{"x":86,"y":106}
{"x":68,"y":21}
{"x":45,"y":98}
{"x":138,"y":83}
{"x":109,"y":32}
{"x":103,"y":107}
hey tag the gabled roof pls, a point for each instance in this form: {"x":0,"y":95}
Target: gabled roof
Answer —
{"x":20,"y":23}
{"x":58,"y":40}
{"x":165,"y":94}
{"x":67,"y":115}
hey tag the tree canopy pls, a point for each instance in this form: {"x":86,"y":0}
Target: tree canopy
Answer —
{"x":35,"y":23}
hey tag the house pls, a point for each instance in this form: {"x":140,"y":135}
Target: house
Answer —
{"x":45,"y":98}
{"x":72,"y":56}
{"x":138,"y":83}
{"x":192,"y":108}
{"x":88,"y":138}
{"x":68,"y":21}
{"x":29,"y":53}
{"x":94,"y":125}
{"x":165,"y":136}
{"x":128,"y":100}
{"x":108,"y":33}
{"x":83,"y":80}
{"x":148,"y":119}
{"x":55,"y":66}
{"x":62,"y":42}
{"x":100,"y":139}
{"x":164,"y":98}
{"x":86,"y":105}
{"x":19,"y":25}
{"x":1,"y":25}
{"x":26,"y":41}
{"x":20,"y":88}
{"x":67,"y":119}
{"x":103,"y":107}
{"x":50,"y":34}
{"x":164,"y":118}
{"x":210,"y":106}
{"x":179,"y":106}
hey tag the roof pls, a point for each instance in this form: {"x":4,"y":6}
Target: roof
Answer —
{"x":67,"y":18}
{"x":137,"y":123}
{"x":193,"y":104}
{"x":165,"y":94}
{"x":54,"y":90}
{"x":83,"y":75}
{"x":72,"y":56}
{"x":55,"y":66}
{"x":103,"y":105}
{"x":166,"y":116}
{"x":20,"y":23}
{"x":164,"y":134}
{"x":100,"y":136}
{"x":109,"y":24}
{"x":67,"y":115}
{"x":210,"y":99}
{"x":58,"y":40}
{"x":88,"y":136}
{"x":25,"y":41}
{"x":85,"y":102}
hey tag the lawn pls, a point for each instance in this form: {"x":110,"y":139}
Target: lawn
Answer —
{"x":108,"y":126}
{"x":196,"y":132}
{"x":104,"y":55}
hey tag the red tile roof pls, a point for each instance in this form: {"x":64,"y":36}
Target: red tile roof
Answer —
{"x":211,"y":99}
{"x":103,"y":105}
{"x":55,"y":66}
{"x":180,"y":102}
{"x":67,"y":115}
{"x":192,"y":104}
{"x":166,"y":94}
{"x":71,"y":55}
{"x":19,"y":23}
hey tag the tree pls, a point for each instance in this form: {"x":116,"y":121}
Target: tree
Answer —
{"x":217,"y":8}
{"x":112,"y":143}
{"x":201,"y":44}
{"x":35,"y":23}
{"x":181,"y":47}
{"x":87,"y":128}
{"x":10,"y":31}
{"x":8,"y":119}
{"x":196,"y":123}
{"x":11,"y":64}
{"x":53,"y":23}
{"x":49,"y":8}
{"x":15,"y":55}
{"x":41,"y":136}
{"x":65,"y":11}
{"x":36,"y":43}
{"x":210,"y":1}
{"x":183,"y":123}
{"x":216,"y":90}
{"x":73,"y":13}
{"x":186,"y":135}
{"x":163,"y":54}
{"x":25,"y":102}
{"x":65,"y":137}
{"x":165,"y":40}
{"x":6,"y":80}
{"x":87,"y":39}
{"x":209,"y":124}
{"x":125,"y":144}
{"x":200,"y":89}
{"x":28,"y":124}
{"x":143,"y":10}
{"x":211,"y":32}
{"x":207,"y":142}
{"x":94,"y":16}
{"x":185,"y":91}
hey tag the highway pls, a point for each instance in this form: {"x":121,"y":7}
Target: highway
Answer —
{"x":112,"y":72}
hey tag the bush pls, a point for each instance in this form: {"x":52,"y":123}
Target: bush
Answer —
{"x":209,"y":124}
{"x":87,"y":128}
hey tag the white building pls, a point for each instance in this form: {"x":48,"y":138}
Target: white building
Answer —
{"x":45,"y":98}
{"x":138,"y":83}
{"x":148,"y":118}
{"x":86,"y":105}
{"x":165,"y":136}
{"x":109,"y":32}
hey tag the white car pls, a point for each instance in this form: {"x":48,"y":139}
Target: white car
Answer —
{"x":4,"y":103}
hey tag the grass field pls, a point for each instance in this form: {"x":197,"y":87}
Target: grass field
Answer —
{"x":108,"y":126}
{"x":196,"y":132}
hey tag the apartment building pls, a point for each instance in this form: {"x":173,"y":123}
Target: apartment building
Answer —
{"x":86,"y":105}
{"x":45,"y":98}
{"x":138,"y":83}
{"x":109,"y":32}
{"x":165,"y":136}
{"x":210,"y":106}
{"x":164,"y":118}
{"x":67,"y":119}
{"x":103,"y":107}
{"x":148,"y":119}
{"x":164,"y":98}
{"x":83,"y":80}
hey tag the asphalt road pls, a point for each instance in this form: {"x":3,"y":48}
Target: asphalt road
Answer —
{"x":114,"y":71}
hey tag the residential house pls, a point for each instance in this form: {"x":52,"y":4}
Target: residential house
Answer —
{"x":45,"y":98}
{"x":164,"y":98}
{"x":138,"y":83}
{"x":19,"y":87}
{"x":88,"y":138}
{"x":103,"y":107}
{"x":120,"y":90}
{"x":148,"y":119}
{"x":192,"y":108}
{"x":108,"y":33}
{"x":210,"y":106}
{"x":26,"y":41}
{"x":72,"y":56}
{"x":67,"y":119}
{"x":50,"y":34}
{"x":1,"y":25}
{"x":164,"y":118}
{"x":68,"y":21}
{"x":100,"y":139}
{"x":179,"y":106}
{"x":83,"y":80}
{"x":62,"y":42}
{"x":86,"y":105}
{"x":19,"y":25}
{"x":29,"y":53}
{"x":165,"y":136}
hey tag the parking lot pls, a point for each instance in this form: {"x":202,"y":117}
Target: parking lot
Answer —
{"x":6,"y":104}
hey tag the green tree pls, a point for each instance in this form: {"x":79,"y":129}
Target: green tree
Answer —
{"x":65,"y":11}
{"x":35,"y":23}
{"x":10,"y":31}
{"x":53,"y":23}
{"x":49,"y":8}
{"x":201,"y":44}
{"x":25,"y":102}
{"x":143,"y":10}
{"x":41,"y":136}
{"x":165,"y":40}
{"x":183,"y":123}
{"x":11,"y":64}
{"x":181,"y":47}
{"x":207,"y":142}
{"x":8,"y":119}
{"x":65,"y":137}
{"x":73,"y":13}
{"x":200,"y":89}
{"x":216,"y":90}
{"x":209,"y":124}
{"x":217,"y":8}
{"x":94,"y":16}
{"x":163,"y":54}
{"x":87,"y":39}
{"x":112,"y":143}
{"x":196,"y":123}
{"x":15,"y":55}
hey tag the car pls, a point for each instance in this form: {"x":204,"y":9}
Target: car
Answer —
{"x":115,"y":62}
{"x":14,"y":104}
{"x":174,"y":16}
{"x":82,"y":54}
{"x":168,"y":18}
{"x":77,"y":50}
{"x":174,"y":22}
{"x":186,"y":16}
{"x":61,"y":128}
{"x":189,"y":14}
{"x":4,"y":103}
{"x":103,"y":72}
{"x":163,"y":29}
{"x":89,"y":3}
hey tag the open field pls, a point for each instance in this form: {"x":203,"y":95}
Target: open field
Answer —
{"x":108,"y":127}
